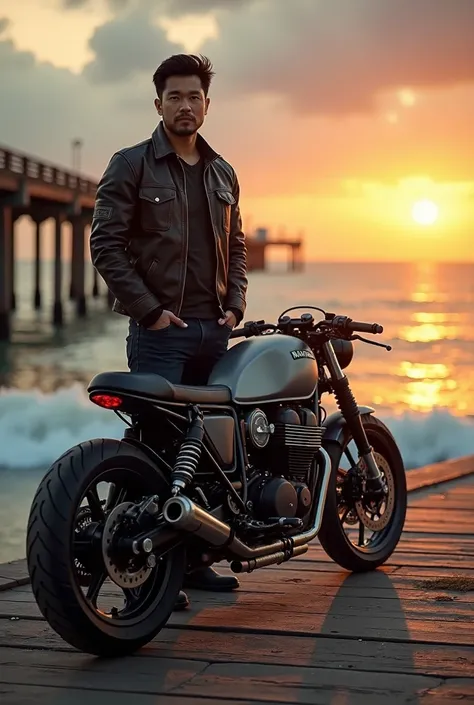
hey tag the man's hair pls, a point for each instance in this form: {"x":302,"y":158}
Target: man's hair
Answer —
{"x":183,"y":65}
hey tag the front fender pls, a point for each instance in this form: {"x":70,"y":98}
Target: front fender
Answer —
{"x":335,"y":424}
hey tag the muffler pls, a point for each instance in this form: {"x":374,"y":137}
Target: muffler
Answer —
{"x":272,"y":559}
{"x":183,"y":514}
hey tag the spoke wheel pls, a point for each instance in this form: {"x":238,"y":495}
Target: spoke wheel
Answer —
{"x":98,"y":593}
{"x":359,"y":531}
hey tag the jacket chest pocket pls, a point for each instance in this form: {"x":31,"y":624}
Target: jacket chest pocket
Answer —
{"x":225,"y":201}
{"x":156,"y":207}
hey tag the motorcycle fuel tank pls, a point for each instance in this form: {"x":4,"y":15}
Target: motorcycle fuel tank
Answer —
{"x":268,"y":368}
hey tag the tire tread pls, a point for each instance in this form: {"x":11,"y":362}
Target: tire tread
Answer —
{"x":49,"y":555}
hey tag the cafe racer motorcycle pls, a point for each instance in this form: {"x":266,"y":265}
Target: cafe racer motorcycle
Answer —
{"x":248,"y":469}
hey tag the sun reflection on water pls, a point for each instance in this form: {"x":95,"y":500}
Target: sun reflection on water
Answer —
{"x":428,"y":332}
{"x":425,"y":317}
{"x":419,"y":370}
{"x":431,"y":382}
{"x":431,"y":372}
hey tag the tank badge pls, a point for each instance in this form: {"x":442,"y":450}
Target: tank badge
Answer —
{"x":298,"y":354}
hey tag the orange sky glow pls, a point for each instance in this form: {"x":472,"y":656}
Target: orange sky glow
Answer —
{"x":348,"y":181}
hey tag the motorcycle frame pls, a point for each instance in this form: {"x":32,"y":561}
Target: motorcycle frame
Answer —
{"x":335,"y":425}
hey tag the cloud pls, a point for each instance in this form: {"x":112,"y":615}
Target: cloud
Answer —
{"x":182,"y":7}
{"x":115,"y":5}
{"x":45,"y":107}
{"x":74,"y":4}
{"x":127,"y":45}
{"x":171,"y":7}
{"x":335,"y":57}
{"x":272,"y":98}
{"x":332,"y":58}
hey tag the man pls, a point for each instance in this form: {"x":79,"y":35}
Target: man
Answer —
{"x":167,"y":239}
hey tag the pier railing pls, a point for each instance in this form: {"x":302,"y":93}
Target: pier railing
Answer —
{"x":19,"y":164}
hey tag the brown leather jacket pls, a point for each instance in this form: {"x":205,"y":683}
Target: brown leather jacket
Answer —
{"x":139,"y":229}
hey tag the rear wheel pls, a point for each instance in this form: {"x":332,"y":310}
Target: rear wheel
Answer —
{"x":95,"y":593}
{"x":358,"y":532}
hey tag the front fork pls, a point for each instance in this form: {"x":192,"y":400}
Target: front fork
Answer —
{"x":349,"y":409}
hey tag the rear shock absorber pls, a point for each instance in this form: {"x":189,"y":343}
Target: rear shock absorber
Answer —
{"x":189,"y":454}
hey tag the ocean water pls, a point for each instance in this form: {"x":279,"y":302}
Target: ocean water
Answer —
{"x":423,"y":389}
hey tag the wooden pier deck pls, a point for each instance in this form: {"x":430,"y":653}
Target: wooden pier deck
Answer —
{"x":304,"y":632}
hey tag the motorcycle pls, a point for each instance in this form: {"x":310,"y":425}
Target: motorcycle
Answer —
{"x":248,"y":469}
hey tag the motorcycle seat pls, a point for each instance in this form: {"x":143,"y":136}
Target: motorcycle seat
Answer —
{"x":150,"y":385}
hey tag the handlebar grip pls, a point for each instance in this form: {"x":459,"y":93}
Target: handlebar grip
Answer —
{"x":239,"y":333}
{"x":359,"y":327}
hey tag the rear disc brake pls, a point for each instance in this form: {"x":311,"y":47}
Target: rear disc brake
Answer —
{"x":127,"y":574}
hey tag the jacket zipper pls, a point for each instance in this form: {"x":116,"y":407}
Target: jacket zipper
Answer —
{"x":215,"y":242}
{"x":186,"y":240}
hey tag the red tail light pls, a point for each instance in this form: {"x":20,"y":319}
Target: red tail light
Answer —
{"x":107,"y":401}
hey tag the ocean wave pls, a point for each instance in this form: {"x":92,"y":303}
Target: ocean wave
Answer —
{"x":36,"y":428}
{"x":426,"y":438}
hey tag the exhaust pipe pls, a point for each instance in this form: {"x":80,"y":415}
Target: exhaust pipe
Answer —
{"x":183,"y":514}
{"x":272,"y":559}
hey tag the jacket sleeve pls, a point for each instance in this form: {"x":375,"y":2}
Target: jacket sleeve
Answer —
{"x":237,"y":274}
{"x":112,"y":221}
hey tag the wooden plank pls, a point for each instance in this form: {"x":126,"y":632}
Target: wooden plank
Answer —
{"x":271,"y":583}
{"x":241,"y":617}
{"x":401,"y":557}
{"x":306,"y":650}
{"x":314,"y":686}
{"x":43,"y":695}
{"x":444,"y":518}
{"x":305,"y":631}
{"x":438,"y":473}
{"x":265,"y":682}
{"x":315,"y":611}
{"x":13,"y":573}
{"x":295,"y":601}
{"x":452,"y":691}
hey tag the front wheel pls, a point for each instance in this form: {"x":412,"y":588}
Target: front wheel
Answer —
{"x":360,"y":533}
{"x":89,"y":585}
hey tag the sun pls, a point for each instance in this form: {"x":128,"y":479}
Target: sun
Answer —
{"x":425,"y":212}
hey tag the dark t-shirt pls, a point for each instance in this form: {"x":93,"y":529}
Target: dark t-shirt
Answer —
{"x":200,"y":298}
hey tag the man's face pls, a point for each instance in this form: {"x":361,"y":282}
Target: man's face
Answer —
{"x":183,"y":105}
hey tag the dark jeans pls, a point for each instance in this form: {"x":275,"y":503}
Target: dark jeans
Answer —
{"x":182,"y":355}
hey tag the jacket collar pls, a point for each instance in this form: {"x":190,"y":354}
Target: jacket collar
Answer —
{"x":162,"y":146}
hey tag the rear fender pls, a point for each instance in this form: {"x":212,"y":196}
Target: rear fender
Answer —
{"x":155,"y":458}
{"x":336,"y":423}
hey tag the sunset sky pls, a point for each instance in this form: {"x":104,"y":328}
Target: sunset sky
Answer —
{"x":338,"y":115}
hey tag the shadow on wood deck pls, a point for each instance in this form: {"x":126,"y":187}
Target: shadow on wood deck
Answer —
{"x":303,"y":632}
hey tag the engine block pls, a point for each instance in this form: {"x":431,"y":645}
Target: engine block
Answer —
{"x":287,"y":441}
{"x":296,"y":446}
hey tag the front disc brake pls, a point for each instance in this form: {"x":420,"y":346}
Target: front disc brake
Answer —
{"x":376,"y":514}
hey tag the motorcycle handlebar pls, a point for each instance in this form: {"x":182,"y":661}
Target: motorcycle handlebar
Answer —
{"x":239,"y":333}
{"x":368,"y":328}
{"x":347,"y":324}
{"x":337,"y":322}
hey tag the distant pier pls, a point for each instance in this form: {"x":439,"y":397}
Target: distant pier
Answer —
{"x":259,"y":242}
{"x":44,"y":191}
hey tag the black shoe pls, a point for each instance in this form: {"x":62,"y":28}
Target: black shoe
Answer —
{"x":208,"y":579}
{"x":181,"y":603}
